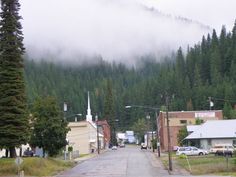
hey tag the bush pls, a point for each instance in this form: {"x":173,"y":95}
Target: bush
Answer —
{"x":182,"y":156}
{"x":234,"y":153}
{"x":154,"y":143}
{"x":70,"y":148}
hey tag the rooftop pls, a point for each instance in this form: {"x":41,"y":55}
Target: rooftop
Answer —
{"x":215,"y":129}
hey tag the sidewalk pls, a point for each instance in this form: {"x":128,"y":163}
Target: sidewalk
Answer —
{"x":177,"y":170}
{"x":89,"y":156}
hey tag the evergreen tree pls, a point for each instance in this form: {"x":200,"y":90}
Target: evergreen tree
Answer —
{"x":140,"y":127}
{"x":110,"y":112}
{"x":227,"y":110}
{"x":183,"y":133}
{"x":50,"y":128}
{"x":14,"y":124}
{"x":180,"y":65}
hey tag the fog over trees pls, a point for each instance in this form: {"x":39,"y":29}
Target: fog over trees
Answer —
{"x":207,"y":70}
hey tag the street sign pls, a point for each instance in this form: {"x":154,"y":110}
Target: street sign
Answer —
{"x":18,"y":161}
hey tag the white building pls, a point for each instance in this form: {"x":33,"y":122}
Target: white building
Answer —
{"x":130,"y":136}
{"x":83,"y":135}
{"x":214,"y":132}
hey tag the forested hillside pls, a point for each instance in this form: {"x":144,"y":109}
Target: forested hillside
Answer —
{"x":207,"y":70}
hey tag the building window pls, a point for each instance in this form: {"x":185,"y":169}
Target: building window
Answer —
{"x":234,"y":142}
{"x":209,"y":142}
{"x":183,"y":121}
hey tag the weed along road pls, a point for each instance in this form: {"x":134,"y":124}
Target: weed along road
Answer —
{"x":130,"y":161}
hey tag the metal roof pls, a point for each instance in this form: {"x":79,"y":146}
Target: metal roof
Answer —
{"x":215,"y":129}
{"x":192,"y":128}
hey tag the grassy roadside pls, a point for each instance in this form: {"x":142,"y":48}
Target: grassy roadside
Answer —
{"x":201,"y":165}
{"x":34,"y":166}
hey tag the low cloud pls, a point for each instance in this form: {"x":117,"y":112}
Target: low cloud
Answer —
{"x":116,"y":30}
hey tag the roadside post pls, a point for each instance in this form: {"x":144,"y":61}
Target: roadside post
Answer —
{"x":188,"y":164}
{"x":158,"y":149}
{"x":18,"y":162}
{"x":227,"y":158}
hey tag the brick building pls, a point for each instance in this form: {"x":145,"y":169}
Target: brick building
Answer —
{"x":105,"y":129}
{"x":179,"y":119}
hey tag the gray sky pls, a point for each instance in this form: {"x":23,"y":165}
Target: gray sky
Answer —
{"x":117,"y":29}
{"x":214,"y":13}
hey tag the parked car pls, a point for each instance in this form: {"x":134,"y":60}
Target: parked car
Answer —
{"x":223,"y":149}
{"x":143,"y":146}
{"x":28,"y":153}
{"x":190,"y":150}
{"x":114,"y":148}
{"x":122,"y":145}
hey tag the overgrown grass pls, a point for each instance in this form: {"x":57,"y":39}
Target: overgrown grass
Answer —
{"x":200,"y":165}
{"x":34,"y":166}
{"x":207,"y":164}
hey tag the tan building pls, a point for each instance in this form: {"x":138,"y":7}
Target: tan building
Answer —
{"x":83,"y":137}
{"x":179,"y":119}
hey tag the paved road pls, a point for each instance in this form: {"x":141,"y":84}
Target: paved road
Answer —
{"x":130,"y":161}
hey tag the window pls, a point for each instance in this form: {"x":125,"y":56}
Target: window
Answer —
{"x":188,"y":149}
{"x":234,"y":142}
{"x":183,"y":121}
{"x":209,"y":142}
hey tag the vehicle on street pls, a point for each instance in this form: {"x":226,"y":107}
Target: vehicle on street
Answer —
{"x":122,"y":145}
{"x":143,"y":146}
{"x":28,"y":153}
{"x":223,"y":149}
{"x":191,"y":150}
{"x":114,"y":148}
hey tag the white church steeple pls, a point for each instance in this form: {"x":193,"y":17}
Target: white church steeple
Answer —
{"x":89,"y":117}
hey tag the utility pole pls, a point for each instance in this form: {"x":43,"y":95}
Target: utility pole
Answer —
{"x":168,"y":133}
{"x":98,"y":145}
{"x":148,"y":121}
{"x":157,"y":134}
{"x":64,"y":111}
{"x":153,"y":150}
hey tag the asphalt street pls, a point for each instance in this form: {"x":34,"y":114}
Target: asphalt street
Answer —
{"x":130,"y":161}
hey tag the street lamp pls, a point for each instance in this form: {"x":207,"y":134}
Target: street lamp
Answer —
{"x":156,"y":110}
{"x":64,"y":109}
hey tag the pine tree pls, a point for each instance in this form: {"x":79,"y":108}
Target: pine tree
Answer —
{"x":183,"y":133}
{"x":14,"y":123}
{"x":110,"y":112}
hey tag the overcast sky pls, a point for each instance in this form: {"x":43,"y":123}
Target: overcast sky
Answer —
{"x":117,"y":29}
{"x":211,"y":12}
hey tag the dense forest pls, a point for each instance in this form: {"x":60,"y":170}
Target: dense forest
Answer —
{"x":208,"y":69}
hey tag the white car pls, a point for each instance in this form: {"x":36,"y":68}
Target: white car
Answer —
{"x":114,"y":148}
{"x":222,"y":148}
{"x":191,"y":150}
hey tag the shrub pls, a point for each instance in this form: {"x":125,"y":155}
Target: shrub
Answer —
{"x":70,"y":148}
{"x":182,"y":156}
